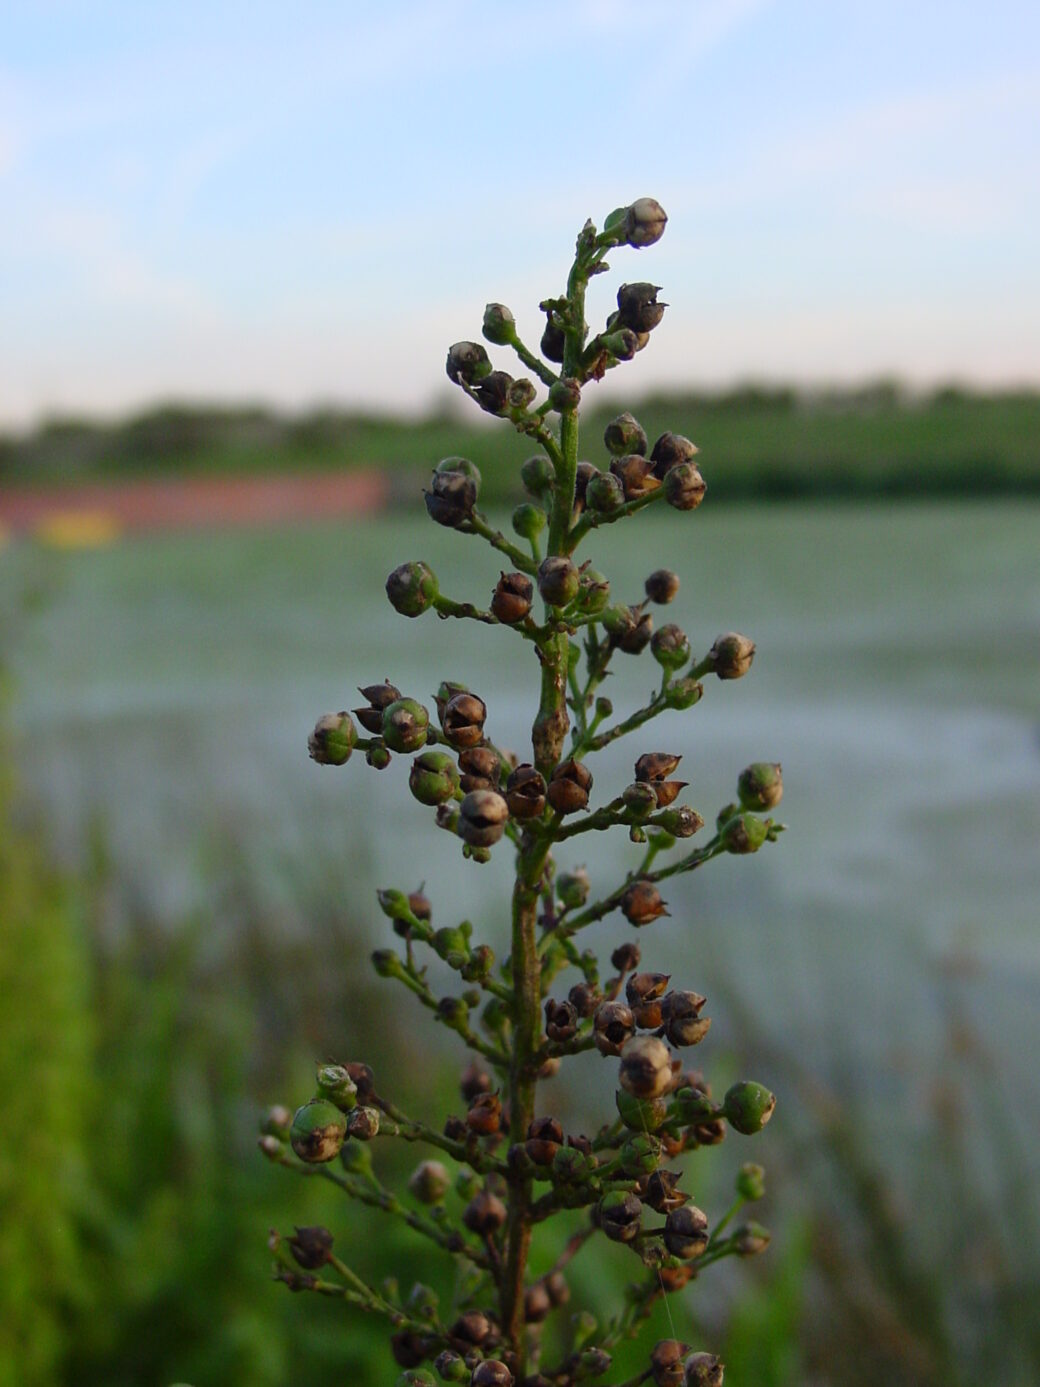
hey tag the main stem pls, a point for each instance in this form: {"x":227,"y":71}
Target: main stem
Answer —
{"x":548,"y":734}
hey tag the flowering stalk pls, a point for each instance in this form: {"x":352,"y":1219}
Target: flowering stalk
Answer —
{"x":515,"y":1167}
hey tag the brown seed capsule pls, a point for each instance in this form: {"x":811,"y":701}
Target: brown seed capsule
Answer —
{"x":463,"y":720}
{"x":558,"y":580}
{"x":480,"y":767}
{"x":379,"y":696}
{"x":667,"y":791}
{"x":584,"y":998}
{"x":686,"y":1232}
{"x":492,"y":393}
{"x":409,"y":1349}
{"x":455,"y":1128}
{"x":483,"y":815}
{"x":619,"y":1215}
{"x":662,"y":586}
{"x":656,"y":765}
{"x":635,"y":638}
{"x":491,"y":1373}
{"x":625,"y":435}
{"x":511,"y":600}
{"x":644,"y":223}
{"x":674,"y":1277}
{"x":552,"y":343}
{"x":681,"y":1015}
{"x":485,"y":1114}
{"x":561,"y":1020}
{"x":613,"y":1027}
{"x":666,"y":1363}
{"x":363,"y":1123}
{"x":646,"y":987}
{"x":671,"y":450}
{"x":569,"y":786}
{"x":361,"y":1074}
{"x":467,"y":362}
{"x":474,"y":1082}
{"x":525,"y":792}
{"x":311,"y":1247}
{"x":429,"y":1182}
{"x":559,"y":1291}
{"x":663,"y":1193}
{"x":704,"y":1370}
{"x":636,"y":475}
{"x":626,"y":957}
{"x":471,"y":1327}
{"x":731,"y":655}
{"x":646,"y":1067}
{"x":709,"y":1133}
{"x":642,"y":903}
{"x":537,"y":1304}
{"x":584,"y":474}
{"x":638,"y":308}
{"x":484,"y":1214}
{"x":451,"y":498}
{"x":684,"y":487}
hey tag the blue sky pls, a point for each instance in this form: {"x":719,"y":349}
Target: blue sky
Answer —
{"x":309,"y":202}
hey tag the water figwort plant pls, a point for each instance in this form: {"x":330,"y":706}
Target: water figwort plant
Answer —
{"x":506,"y":1165}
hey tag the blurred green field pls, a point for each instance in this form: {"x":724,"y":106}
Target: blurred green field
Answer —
{"x":186,"y":912}
{"x":770,"y":442}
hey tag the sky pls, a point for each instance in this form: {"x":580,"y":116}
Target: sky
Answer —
{"x":307,"y":204}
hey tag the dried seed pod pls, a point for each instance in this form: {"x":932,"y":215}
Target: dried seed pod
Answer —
{"x":474,"y":1082}
{"x":573,"y":888}
{"x":646,"y":987}
{"x":525,"y":792}
{"x":511,"y":600}
{"x":553,"y":342}
{"x":662,"y":586}
{"x":667,"y":791}
{"x":663,"y":1193}
{"x":481,"y":768}
{"x":569,"y":786}
{"x":636,"y":638}
{"x":704,"y":1370}
{"x":412,"y":588}
{"x":584,"y":998}
{"x":638,"y":308}
{"x":484,"y":1214}
{"x":491,"y":1373}
{"x":604,"y":493}
{"x":671,"y":450}
{"x":583,"y":475}
{"x":670,"y":646}
{"x":646,"y":1067}
{"x":471,"y":1327}
{"x":684,"y":487}
{"x":644,"y":223}
{"x":709,"y":1133}
{"x":483,"y":815}
{"x":636,"y":475}
{"x":731,"y":655}
{"x":656,"y":765}
{"x":485,"y":1114}
{"x":673,"y":1275}
{"x":613,"y":1027}
{"x":537,"y":1305}
{"x":333,"y":739}
{"x":318,"y":1131}
{"x":467,"y":363}
{"x":626,"y":957}
{"x":311,"y":1248}
{"x":681,"y":1016}
{"x":744,"y":833}
{"x":625,"y":435}
{"x":558,"y":580}
{"x":492,"y":393}
{"x":378,"y":697}
{"x":463,"y":720}
{"x":642,"y":903}
{"x":619,"y":1214}
{"x":561,"y":1020}
{"x":451,"y":498}
{"x":363,"y":1124}
{"x":666,"y":1363}
{"x":686,"y":1232}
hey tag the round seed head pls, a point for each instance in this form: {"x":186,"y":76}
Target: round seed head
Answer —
{"x":499,"y":324}
{"x":686,"y":1232}
{"x":613,"y":1027}
{"x":662,"y":586}
{"x":525,"y":792}
{"x":684,"y":487}
{"x":483,"y":815}
{"x":644,"y":223}
{"x":731,"y":655}
{"x":412,"y":588}
{"x":429,"y":1182}
{"x":625,"y":435}
{"x":404,"y":725}
{"x":467,"y":363}
{"x":558,"y":580}
{"x":748,"y":1106}
{"x":318,"y":1131}
{"x":761,"y":785}
{"x":463,"y":720}
{"x":511,"y":600}
{"x":333,"y":739}
{"x":638,"y":308}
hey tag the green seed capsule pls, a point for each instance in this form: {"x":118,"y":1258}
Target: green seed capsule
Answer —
{"x":529,"y":520}
{"x":412,"y":588}
{"x":333,"y":739}
{"x":761,"y":785}
{"x":499,"y":324}
{"x":744,"y":833}
{"x":404,"y":725}
{"x":318,"y":1131}
{"x":748,"y":1106}
{"x":433,"y":778}
{"x":335,"y":1084}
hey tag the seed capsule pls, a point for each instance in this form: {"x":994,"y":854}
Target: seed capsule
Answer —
{"x":565,"y":395}
{"x":404,"y":725}
{"x":333,"y":739}
{"x":451,"y":498}
{"x":704,"y":1370}
{"x":553,"y":342}
{"x":573,"y":888}
{"x":569,"y":786}
{"x":663,"y":1193}
{"x":604,"y":493}
{"x":433,"y":777}
{"x":484,"y":1115}
{"x":748,"y":1106}
{"x":686,"y":1232}
{"x":619,"y":1214}
{"x":583,"y":475}
{"x":684,"y":487}
{"x":749,"y":1239}
{"x":525,"y":792}
{"x":646,"y":1067}
{"x":669,"y":451}
{"x":529,"y":520}
{"x":644,"y":223}
{"x":491,"y":1373}
{"x":670,"y":647}
{"x":656,"y":765}
{"x":662,"y":586}
{"x":429,"y":1182}
{"x":638,"y":308}
{"x":481,"y":768}
{"x":463,"y":720}
{"x":511,"y":600}
{"x":412,"y":588}
{"x":561,"y":1020}
{"x":467,"y":363}
{"x":666,"y":792}
{"x":537,"y":1305}
{"x":335,"y":1084}
{"x":731,"y":655}
{"x":499,"y":324}
{"x":311,"y":1248}
{"x":451,"y":1366}
{"x":363,"y":1124}
{"x":681,"y":1015}
{"x":625,"y":435}
{"x":584,"y":998}
{"x":613,"y":1027}
{"x":640,"y":799}
{"x":744,"y":833}
{"x":483,"y":815}
{"x":484,"y":1214}
{"x":636,"y":637}
{"x":318,"y":1131}
{"x":666,"y":1362}
{"x":558,"y":580}
{"x":626,"y":957}
{"x":761,"y":785}
{"x":492,"y":393}
{"x":642,"y":903}
{"x":378,"y":696}
{"x":751,"y":1181}
{"x":636,"y":475}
